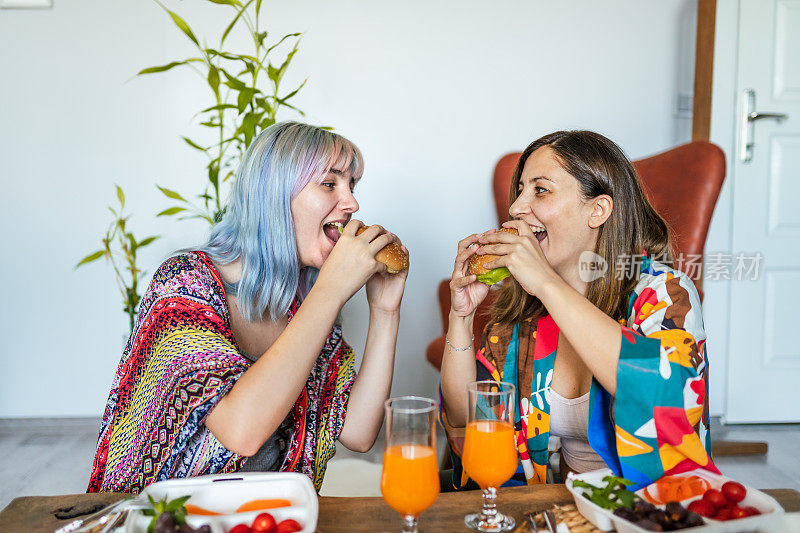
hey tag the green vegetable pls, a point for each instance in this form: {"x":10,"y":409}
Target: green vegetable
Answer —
{"x":495,"y":275}
{"x":613,"y":495}
{"x":174,"y":507}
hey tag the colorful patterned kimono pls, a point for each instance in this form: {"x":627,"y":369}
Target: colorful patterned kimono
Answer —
{"x":179,"y":363}
{"x":658,"y":422}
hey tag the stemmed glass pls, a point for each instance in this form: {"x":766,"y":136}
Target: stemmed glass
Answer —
{"x":410,"y":479}
{"x":490,"y":451}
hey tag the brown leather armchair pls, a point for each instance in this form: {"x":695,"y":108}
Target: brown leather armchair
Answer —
{"x":683,"y":185}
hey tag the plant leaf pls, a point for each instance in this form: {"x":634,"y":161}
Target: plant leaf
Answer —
{"x":233,"y":22}
{"x":213,"y":79}
{"x":266,"y":123}
{"x":180,"y":23}
{"x":171,"y":211}
{"x":148,"y":240}
{"x":94,"y":256}
{"x":120,"y":196}
{"x":290,"y":106}
{"x":176,"y":504}
{"x":233,"y":82}
{"x":204,"y":217}
{"x":163,"y":68}
{"x":271,"y":48}
{"x":226,"y":55}
{"x":193,"y":145}
{"x":293,"y":92}
{"x":272,"y":72}
{"x":244,"y":99}
{"x":233,"y":3}
{"x":285,"y":64}
{"x":213,"y":173}
{"x":249,"y":123}
{"x":171,"y":194}
{"x":219,"y":107}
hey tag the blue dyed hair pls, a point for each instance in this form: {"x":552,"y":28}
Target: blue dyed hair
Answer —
{"x":257,"y":226}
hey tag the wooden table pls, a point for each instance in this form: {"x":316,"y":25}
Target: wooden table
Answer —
{"x":35,"y":513}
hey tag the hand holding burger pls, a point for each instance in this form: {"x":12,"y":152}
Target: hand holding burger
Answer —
{"x":489,"y":276}
{"x":391,"y":255}
{"x":520,"y":252}
{"x":353,"y":260}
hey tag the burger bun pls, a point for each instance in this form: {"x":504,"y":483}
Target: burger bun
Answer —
{"x":477,"y":262}
{"x":391,"y":255}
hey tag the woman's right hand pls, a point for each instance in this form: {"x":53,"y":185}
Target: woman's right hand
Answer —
{"x":466,"y":293}
{"x":352,"y":261}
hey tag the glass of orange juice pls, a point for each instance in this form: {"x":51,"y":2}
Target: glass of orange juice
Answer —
{"x":410,"y":479}
{"x":490,"y":451}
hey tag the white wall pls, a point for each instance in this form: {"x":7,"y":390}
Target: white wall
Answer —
{"x":719,"y":235}
{"x":433,"y":93}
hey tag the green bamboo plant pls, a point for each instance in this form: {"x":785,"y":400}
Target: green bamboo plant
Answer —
{"x":119,"y":249}
{"x":245,"y":97}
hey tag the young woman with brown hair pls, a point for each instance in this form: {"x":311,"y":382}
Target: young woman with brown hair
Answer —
{"x":603,"y":340}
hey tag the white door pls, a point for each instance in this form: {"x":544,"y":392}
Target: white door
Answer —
{"x":764,"y":342}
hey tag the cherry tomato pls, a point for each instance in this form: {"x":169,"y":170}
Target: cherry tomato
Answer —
{"x":751,"y":511}
{"x":289,"y":526}
{"x":738,"y":512}
{"x":722,"y":514}
{"x":733,"y":492}
{"x":703,"y":508}
{"x":715,"y":498}
{"x":240,"y":528}
{"x":264,"y":523}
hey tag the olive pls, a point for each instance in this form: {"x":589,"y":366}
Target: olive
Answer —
{"x":659,"y":517}
{"x":649,"y":525}
{"x":186,"y":528}
{"x":676,"y":511}
{"x":626,"y":513}
{"x":693,"y":519}
{"x":643,"y":508}
{"x":165,"y":523}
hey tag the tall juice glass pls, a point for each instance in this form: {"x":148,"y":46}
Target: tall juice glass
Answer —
{"x":410,"y":479}
{"x":490,"y":451}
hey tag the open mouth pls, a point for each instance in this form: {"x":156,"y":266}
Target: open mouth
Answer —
{"x":333,"y":230}
{"x":540,"y":233}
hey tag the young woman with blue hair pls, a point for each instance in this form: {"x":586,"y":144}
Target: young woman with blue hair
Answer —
{"x":236,"y":361}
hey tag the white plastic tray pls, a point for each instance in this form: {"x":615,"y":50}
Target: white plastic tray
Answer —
{"x":601,"y":518}
{"x":224,"y":493}
{"x":771,"y":520}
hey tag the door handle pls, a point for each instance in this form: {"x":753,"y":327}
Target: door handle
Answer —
{"x":747,"y":118}
{"x":755,"y":115}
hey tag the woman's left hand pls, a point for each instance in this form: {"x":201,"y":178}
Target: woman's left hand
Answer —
{"x":521,"y":254}
{"x":384,"y":290}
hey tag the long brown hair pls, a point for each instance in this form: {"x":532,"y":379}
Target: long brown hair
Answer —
{"x":600,"y":167}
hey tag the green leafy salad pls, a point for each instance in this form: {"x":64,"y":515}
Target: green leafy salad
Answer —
{"x":615,"y":493}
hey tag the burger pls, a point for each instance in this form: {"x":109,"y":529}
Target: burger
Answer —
{"x":391,"y":255}
{"x":495,"y":275}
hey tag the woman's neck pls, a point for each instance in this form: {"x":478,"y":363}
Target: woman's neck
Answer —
{"x":231,"y":272}
{"x":573,"y":278}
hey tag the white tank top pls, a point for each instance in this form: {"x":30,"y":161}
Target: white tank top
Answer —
{"x":569,"y":420}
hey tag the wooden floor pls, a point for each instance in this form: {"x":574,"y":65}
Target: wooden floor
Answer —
{"x":53,"y":456}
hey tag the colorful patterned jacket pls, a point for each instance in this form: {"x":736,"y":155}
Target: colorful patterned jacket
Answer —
{"x":658,"y":422}
{"x":180,"y":361}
